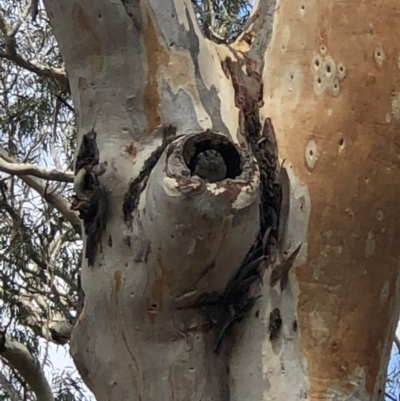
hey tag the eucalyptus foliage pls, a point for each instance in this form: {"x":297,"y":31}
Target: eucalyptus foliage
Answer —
{"x":39,"y":249}
{"x":222,"y":20}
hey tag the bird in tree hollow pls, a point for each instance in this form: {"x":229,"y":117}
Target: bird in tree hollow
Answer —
{"x":210,"y":166}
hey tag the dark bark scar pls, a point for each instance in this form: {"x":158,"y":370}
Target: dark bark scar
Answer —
{"x":90,"y":198}
{"x":139,"y":183}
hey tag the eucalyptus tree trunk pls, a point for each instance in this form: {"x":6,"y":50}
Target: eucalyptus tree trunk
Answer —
{"x":193,"y":217}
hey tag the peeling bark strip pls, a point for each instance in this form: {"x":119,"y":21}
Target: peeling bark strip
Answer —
{"x":261,"y":140}
{"x":139,"y":183}
{"x":281,"y":272}
{"x":90,"y":195}
{"x":223,"y":310}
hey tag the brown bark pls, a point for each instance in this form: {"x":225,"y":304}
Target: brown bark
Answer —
{"x":332,"y":91}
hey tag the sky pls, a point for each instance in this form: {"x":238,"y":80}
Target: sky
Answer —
{"x":394,"y":365}
{"x":61,"y":361}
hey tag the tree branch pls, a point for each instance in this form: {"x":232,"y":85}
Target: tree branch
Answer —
{"x":48,"y":193}
{"x":390,"y":396}
{"x":36,"y":171}
{"x":257,"y":32}
{"x":56,"y":74}
{"x":22,"y":18}
{"x":19,"y":357}
{"x":14,"y":396}
{"x":397,"y":342}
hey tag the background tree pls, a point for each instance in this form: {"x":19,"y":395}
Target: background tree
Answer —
{"x":222,"y":21}
{"x":40,"y":233}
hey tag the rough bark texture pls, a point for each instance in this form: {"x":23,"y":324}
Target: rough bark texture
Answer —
{"x":181,"y":274}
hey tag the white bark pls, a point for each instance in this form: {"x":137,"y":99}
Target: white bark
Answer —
{"x":47,"y":192}
{"x":36,"y":171}
{"x":19,"y":357}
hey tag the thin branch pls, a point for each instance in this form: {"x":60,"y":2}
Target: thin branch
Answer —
{"x":257,"y":32}
{"x":4,"y":204}
{"x":36,"y":171}
{"x":22,"y":18}
{"x":19,"y":357}
{"x":54,"y":134}
{"x":14,"y":396}
{"x":48,"y":193}
{"x":212,"y":13}
{"x":4,"y":27}
{"x":56,"y":74}
{"x":390,"y":396}
{"x":65,"y":103}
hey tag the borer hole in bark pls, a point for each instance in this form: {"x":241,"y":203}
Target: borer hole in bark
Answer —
{"x":294,"y":325}
{"x":275,"y":323}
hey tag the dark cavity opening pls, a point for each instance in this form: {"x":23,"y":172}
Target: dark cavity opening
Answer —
{"x":227,"y":150}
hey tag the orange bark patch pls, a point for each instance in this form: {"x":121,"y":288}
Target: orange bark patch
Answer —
{"x":92,"y":39}
{"x":156,"y":56}
{"x":132,"y":152}
{"x":354,"y":228}
{"x":161,"y":280}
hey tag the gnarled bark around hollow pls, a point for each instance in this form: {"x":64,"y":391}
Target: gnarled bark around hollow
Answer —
{"x":205,"y":172}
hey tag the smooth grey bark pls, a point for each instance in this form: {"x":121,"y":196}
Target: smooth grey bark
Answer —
{"x":161,"y":242}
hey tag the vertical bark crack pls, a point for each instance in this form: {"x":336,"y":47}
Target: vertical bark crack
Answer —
{"x":139,"y":183}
